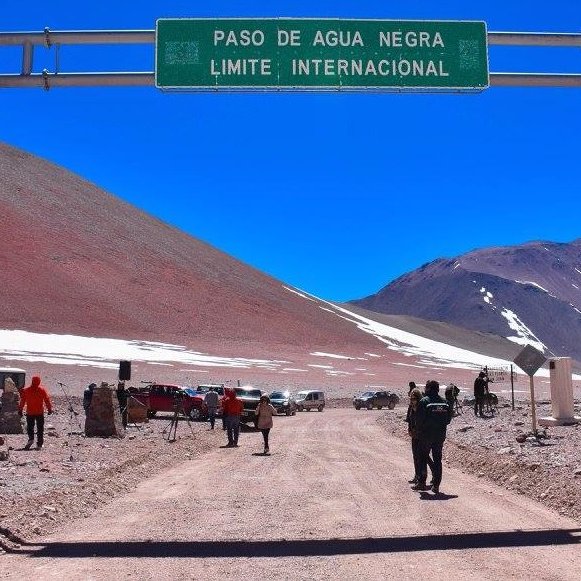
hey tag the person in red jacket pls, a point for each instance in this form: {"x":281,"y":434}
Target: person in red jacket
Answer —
{"x":232,"y":409}
{"x":34,"y":398}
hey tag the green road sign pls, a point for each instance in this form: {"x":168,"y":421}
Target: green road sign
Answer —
{"x":320,"y":54}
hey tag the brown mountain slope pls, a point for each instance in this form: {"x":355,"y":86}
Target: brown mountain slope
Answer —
{"x":78,"y":260}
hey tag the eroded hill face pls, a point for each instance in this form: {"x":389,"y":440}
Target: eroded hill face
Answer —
{"x":78,"y":260}
{"x":529,"y":293}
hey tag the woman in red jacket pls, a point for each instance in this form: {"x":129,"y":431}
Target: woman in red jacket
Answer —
{"x":34,"y":397}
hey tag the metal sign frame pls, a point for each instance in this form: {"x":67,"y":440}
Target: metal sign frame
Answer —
{"x":49,"y":39}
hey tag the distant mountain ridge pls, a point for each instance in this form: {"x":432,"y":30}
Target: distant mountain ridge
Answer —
{"x":527,"y":293}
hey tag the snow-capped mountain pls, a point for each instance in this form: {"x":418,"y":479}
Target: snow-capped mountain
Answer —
{"x":529,"y":293}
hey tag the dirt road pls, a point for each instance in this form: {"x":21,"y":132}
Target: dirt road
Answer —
{"x":330,"y":502}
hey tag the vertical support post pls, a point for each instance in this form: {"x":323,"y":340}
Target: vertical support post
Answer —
{"x":27,"y":56}
{"x":512,"y":385}
{"x":533,"y":405}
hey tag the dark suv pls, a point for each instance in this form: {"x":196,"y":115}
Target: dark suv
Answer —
{"x":250,"y":397}
{"x":375,"y":399}
{"x":283,"y":402}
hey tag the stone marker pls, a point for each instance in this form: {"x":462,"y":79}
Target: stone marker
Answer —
{"x":136,"y":411}
{"x":561,"y":376}
{"x":103,"y":416}
{"x":10,"y":422}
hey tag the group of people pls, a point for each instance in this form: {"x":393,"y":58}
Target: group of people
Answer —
{"x":232,"y":409}
{"x":427,"y":417}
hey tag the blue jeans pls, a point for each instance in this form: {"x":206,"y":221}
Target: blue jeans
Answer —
{"x":233,"y":429}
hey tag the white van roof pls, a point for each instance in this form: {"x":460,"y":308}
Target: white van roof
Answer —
{"x":11,"y":370}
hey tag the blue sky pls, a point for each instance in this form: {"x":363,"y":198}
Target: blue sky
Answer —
{"x":336,"y":194}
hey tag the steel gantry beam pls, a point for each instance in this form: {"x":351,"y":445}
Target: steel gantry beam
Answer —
{"x":48,"y":39}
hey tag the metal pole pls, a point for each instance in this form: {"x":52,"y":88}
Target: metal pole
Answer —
{"x":79,"y":37}
{"x":512,"y":385}
{"x":570,"y":39}
{"x":27,"y":56}
{"x":49,"y":80}
{"x":533,"y":405}
{"x":146,"y":79}
{"x":535,"y":38}
{"x":534,"y":80}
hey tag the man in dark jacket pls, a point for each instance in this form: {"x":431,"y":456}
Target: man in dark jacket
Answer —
{"x":432,"y":418}
{"x":480,"y":391}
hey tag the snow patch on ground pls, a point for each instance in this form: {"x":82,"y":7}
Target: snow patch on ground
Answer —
{"x":332,"y":355}
{"x":428,"y":351}
{"x":535,"y":284}
{"x":106,"y":353}
{"x":296,"y":292}
{"x":524,"y":335}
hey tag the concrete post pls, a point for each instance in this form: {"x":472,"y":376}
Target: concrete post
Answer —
{"x":561,"y":376}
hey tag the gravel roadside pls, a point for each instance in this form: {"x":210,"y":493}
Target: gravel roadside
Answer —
{"x":546,"y":469}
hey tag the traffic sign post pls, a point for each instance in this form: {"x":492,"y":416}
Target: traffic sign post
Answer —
{"x":530,"y":360}
{"x":321,"y":55}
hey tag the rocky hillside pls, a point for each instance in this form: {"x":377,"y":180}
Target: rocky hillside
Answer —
{"x":528,"y":293}
{"x":78,"y":260}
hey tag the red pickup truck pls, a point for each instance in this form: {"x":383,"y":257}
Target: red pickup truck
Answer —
{"x":167,"y":398}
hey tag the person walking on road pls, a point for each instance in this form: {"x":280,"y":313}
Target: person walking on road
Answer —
{"x":34,"y":398}
{"x":480,"y":391}
{"x":211,"y":401}
{"x":411,"y":419}
{"x":264,"y":414}
{"x":432,"y":418}
{"x":232,"y":410}
{"x":408,"y":419}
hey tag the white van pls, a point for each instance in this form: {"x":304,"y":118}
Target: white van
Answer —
{"x":17,"y":375}
{"x":309,"y":400}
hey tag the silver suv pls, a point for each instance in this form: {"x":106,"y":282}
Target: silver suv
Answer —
{"x":309,"y":400}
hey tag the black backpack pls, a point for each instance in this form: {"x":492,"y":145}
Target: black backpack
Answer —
{"x":438,"y":413}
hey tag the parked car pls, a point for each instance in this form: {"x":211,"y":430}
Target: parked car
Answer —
{"x":309,"y":400}
{"x":283,"y":402}
{"x":167,"y":398}
{"x":250,"y":397}
{"x":375,"y":399}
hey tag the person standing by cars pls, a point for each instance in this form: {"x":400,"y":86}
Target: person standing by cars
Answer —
{"x":211,"y":401}
{"x":232,"y":410}
{"x":432,"y":418}
{"x":264,"y":413}
{"x":480,"y":391}
{"x":34,"y":398}
{"x":122,"y":399}
{"x":88,"y":397}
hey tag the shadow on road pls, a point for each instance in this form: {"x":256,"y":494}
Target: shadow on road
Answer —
{"x":307,"y":548}
{"x":438,"y":496}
